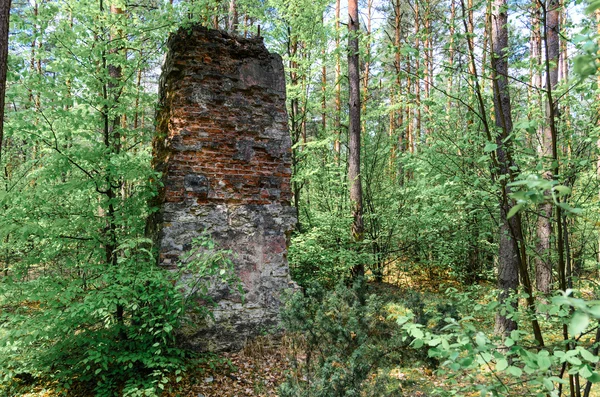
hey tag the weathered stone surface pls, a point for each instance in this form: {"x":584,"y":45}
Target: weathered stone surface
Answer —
{"x":224,"y":153}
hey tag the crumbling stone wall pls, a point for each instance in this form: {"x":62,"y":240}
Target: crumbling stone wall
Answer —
{"x":223,"y":149}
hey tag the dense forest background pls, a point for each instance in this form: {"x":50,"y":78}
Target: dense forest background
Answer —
{"x":452,"y":143}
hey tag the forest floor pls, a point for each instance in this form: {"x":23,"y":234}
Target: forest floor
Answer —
{"x":261,"y":367}
{"x":258,"y":370}
{"x":264,"y":364}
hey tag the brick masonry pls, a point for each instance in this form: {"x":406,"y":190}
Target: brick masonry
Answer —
{"x":223,"y":148}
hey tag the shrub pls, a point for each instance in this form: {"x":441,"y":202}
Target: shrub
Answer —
{"x":346,"y":339}
{"x":67,"y":330}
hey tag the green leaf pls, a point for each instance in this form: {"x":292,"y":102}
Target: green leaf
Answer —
{"x":490,"y":147}
{"x":515,"y":371}
{"x":480,"y":339}
{"x":548,"y":384}
{"x":595,"y":378}
{"x":513,"y":211}
{"x":543,"y":362}
{"x":416,"y":333}
{"x":579,"y":323}
{"x":585,"y":371}
{"x":562,"y":190}
{"x":588,"y":356}
{"x":501,"y":364}
{"x":514,"y":335}
{"x":594,"y":311}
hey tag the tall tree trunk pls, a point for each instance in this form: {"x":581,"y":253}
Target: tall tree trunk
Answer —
{"x":4,"y":23}
{"x":112,"y":142}
{"x":565,"y":114}
{"x":417,"y":132}
{"x":563,"y":37}
{"x":338,"y":87}
{"x":233,"y":20}
{"x":508,"y":255}
{"x":303,"y":86}
{"x":367,"y":65}
{"x":469,"y":29}
{"x":138,"y":86}
{"x":535,"y":63}
{"x":543,"y":263}
{"x":512,"y":256}
{"x":294,"y":118}
{"x":32,"y":62}
{"x":323,"y":87}
{"x":428,"y":68}
{"x":354,"y":177}
{"x":486,"y":43}
{"x":409,"y":107}
{"x":598,"y":122}
{"x":451,"y":51}
{"x":396,"y":114}
{"x":470,"y":34}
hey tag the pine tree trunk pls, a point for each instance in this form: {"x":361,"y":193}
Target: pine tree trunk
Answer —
{"x":543,"y":263}
{"x":338,"y":87}
{"x":354,"y":177}
{"x":451,"y":51}
{"x":535,"y":66}
{"x":4,"y":23}
{"x":323,"y":88}
{"x":233,"y":21}
{"x":417,"y":132}
{"x":396,"y":115}
{"x":409,"y":106}
{"x":367,"y":65}
{"x":486,"y":44}
{"x":295,"y":127}
{"x":428,"y":69}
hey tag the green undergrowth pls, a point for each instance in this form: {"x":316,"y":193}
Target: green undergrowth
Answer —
{"x":113,"y":334}
{"x":378,"y":340}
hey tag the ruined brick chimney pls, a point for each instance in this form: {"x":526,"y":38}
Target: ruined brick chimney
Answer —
{"x":223,"y":149}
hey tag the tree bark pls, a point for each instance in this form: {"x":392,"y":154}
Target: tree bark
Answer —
{"x":112,"y":142}
{"x":295,"y":125}
{"x":543,"y":263}
{"x":324,"y":88}
{"x":535,"y":66}
{"x":233,"y":20}
{"x":451,"y":51}
{"x":367,"y":64}
{"x":428,"y":69}
{"x":354,"y":177}
{"x":4,"y":24}
{"x":338,"y":87}
{"x":598,"y":123}
{"x":508,"y":255}
{"x":396,"y":115}
{"x":416,"y":136}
